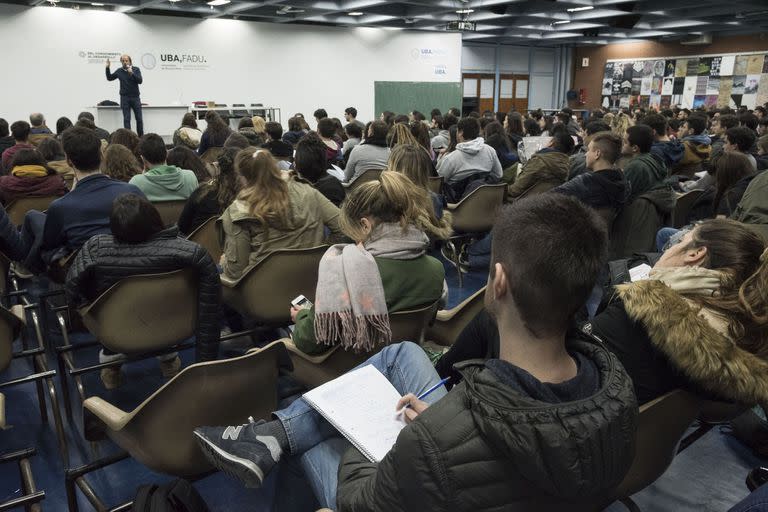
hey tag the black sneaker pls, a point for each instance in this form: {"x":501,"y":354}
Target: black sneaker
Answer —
{"x":240,"y":452}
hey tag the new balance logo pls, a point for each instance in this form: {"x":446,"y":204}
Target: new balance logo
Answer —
{"x":232,"y":433}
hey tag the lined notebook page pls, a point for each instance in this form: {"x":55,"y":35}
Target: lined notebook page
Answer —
{"x":361,"y":405}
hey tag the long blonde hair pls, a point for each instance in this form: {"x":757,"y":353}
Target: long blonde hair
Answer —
{"x":400,"y":133}
{"x":266,"y":192}
{"x":393,"y":197}
{"x":259,"y":124}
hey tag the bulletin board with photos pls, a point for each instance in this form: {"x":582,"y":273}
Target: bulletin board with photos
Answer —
{"x":688,"y":82}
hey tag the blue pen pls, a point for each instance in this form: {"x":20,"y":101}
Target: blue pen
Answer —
{"x":427,"y":392}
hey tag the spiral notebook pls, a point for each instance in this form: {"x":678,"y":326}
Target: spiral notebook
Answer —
{"x":361,"y":405}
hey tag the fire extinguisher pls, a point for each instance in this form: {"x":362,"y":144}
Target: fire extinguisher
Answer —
{"x":582,"y":96}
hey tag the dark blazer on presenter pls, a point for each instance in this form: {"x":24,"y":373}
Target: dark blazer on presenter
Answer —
{"x":130,"y":78}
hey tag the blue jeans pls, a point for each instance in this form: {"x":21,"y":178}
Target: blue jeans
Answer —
{"x":663,"y":236}
{"x":479,"y":253}
{"x":319,"y":446}
{"x":128,"y":103}
{"x":755,"y":502}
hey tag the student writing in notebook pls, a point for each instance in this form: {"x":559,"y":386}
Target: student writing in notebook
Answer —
{"x":548,"y":424}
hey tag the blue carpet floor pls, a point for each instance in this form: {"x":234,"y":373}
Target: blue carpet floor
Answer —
{"x":708,"y":476}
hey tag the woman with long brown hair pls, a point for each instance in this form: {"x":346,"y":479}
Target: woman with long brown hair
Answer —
{"x":271,"y":213}
{"x":384,"y":271}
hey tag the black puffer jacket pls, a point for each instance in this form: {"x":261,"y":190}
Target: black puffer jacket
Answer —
{"x":485,"y":447}
{"x":103,"y":262}
{"x":11,"y":243}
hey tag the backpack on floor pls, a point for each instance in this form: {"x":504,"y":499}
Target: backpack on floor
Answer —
{"x":175,"y":496}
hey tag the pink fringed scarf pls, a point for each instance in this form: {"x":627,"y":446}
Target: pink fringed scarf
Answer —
{"x":350,"y":306}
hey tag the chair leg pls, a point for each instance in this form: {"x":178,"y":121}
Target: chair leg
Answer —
{"x":41,"y":401}
{"x":455,"y":257}
{"x":64,"y":385}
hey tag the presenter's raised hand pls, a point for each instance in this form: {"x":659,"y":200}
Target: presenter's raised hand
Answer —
{"x":107,"y":62}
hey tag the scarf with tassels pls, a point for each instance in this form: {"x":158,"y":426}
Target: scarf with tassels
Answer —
{"x":29,"y":171}
{"x":350,"y":307}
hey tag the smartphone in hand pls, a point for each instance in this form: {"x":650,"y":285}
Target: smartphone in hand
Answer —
{"x":301,"y":302}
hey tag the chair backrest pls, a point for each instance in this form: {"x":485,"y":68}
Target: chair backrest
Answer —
{"x":660,"y":426}
{"x":449,"y":323}
{"x":20,"y":206}
{"x":367,"y":175}
{"x":9,"y":329}
{"x":170,"y":211}
{"x":206,"y":236}
{"x":411,"y":325}
{"x":683,"y":205}
{"x":608,"y":215}
{"x":211,"y":154}
{"x":436,"y":184}
{"x":265,"y":292}
{"x":145,"y":312}
{"x":476,"y":213}
{"x":159,"y":431}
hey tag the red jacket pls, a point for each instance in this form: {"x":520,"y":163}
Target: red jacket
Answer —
{"x":13,"y":187}
{"x":9,"y":153}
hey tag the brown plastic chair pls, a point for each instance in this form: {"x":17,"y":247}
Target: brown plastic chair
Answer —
{"x":206,"y":236}
{"x":211,"y":155}
{"x":661,"y":424}
{"x":436,"y":184}
{"x":20,"y":206}
{"x":265,"y":291}
{"x":367,"y":175}
{"x":683,"y":205}
{"x":158,"y":433}
{"x":170,"y":211}
{"x":474,"y":216}
{"x":449,"y":323}
{"x":410,"y":325}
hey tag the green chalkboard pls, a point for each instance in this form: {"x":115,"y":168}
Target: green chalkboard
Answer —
{"x":403,"y":97}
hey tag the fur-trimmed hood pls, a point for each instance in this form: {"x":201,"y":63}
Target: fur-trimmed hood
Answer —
{"x":696,"y":341}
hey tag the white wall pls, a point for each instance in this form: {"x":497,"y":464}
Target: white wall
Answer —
{"x":297,"y":68}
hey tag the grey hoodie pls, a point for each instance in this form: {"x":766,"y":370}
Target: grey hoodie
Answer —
{"x":471,"y":157}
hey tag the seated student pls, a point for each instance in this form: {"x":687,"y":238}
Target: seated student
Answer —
{"x":281,"y":151}
{"x":210,"y":199}
{"x":644,"y":171}
{"x":237,"y":140}
{"x":354,"y":137}
{"x":6,"y":140}
{"x":37,"y":125}
{"x":697,"y":146}
{"x":441,"y":141}
{"x":215,"y":134}
{"x":385,"y":271}
{"x":310,"y":163}
{"x":188,"y":134}
{"x":51,"y":150}
{"x":496,"y":137}
{"x":577,"y":446}
{"x":84,"y":212}
{"x":547,"y":168}
{"x":295,"y":131}
{"x":271,"y":213}
{"x":160,"y":181}
{"x":698,"y":322}
{"x":20,"y":134}
{"x":372,"y":153}
{"x":472,"y":159}
{"x":420,"y":132}
{"x":327,"y":131}
{"x":578,"y":160}
{"x":129,"y":139}
{"x":30,"y":176}
{"x":514,"y":128}
{"x":247,"y":129}
{"x":720,"y":125}
{"x":184,"y":158}
{"x":119,"y":163}
{"x":139,"y":244}
{"x":413,"y":162}
{"x":12,"y":245}
{"x":668,"y":151}
{"x":741,"y":139}
{"x":733,"y":174}
{"x":603,"y":185}
{"x":762,"y":152}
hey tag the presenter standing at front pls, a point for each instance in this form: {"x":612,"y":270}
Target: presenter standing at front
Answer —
{"x":130,"y":78}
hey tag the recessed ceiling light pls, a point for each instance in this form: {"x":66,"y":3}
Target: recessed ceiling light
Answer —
{"x":465,"y":11}
{"x":583,"y":8}
{"x":355,"y":13}
{"x":214,"y":3}
{"x":97,"y":4}
{"x":174,"y":1}
{"x":561,"y":22}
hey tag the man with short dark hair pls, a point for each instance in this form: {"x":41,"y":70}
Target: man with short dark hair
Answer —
{"x":6,"y":140}
{"x":20,"y":134}
{"x":644,"y":171}
{"x":566,"y":117}
{"x":550,"y":420}
{"x":84,"y":211}
{"x":350,"y":114}
{"x":160,"y":181}
{"x":669,"y":151}
{"x":282,"y":151}
{"x":578,"y":161}
{"x":38,"y":127}
{"x":100,"y":132}
{"x":605,"y":186}
{"x":741,"y":139}
{"x":472,"y":157}
{"x":320,"y":114}
{"x":442,"y":140}
{"x":697,"y":146}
